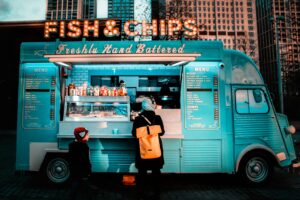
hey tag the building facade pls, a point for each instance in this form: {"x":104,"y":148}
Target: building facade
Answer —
{"x":279,"y":23}
{"x":71,"y":9}
{"x":122,"y":10}
{"x":233,"y":21}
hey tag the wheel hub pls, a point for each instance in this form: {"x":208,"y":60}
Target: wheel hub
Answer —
{"x":256,"y":169}
{"x":58,"y":169}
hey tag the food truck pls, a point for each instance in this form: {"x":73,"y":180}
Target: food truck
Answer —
{"x":216,"y":108}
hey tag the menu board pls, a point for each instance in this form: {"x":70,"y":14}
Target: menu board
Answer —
{"x":201,"y":97}
{"x":39,"y":97}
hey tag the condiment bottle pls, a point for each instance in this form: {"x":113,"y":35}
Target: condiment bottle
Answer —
{"x":71,"y":89}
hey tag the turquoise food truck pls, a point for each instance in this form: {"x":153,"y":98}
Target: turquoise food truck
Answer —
{"x":216,"y":108}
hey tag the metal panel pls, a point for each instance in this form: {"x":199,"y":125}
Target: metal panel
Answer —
{"x":258,"y":126}
{"x":172,"y":149}
{"x":112,"y":161}
{"x":95,"y":128}
{"x":201,"y":156}
{"x":172,"y":161}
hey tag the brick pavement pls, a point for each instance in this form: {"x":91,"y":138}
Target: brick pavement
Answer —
{"x":206,"y":186}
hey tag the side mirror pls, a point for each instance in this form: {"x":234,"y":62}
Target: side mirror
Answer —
{"x":257,"y":96}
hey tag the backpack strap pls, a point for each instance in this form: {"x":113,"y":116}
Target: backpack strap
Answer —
{"x":147,"y":120}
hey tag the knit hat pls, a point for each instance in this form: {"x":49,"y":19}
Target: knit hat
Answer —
{"x":81,"y":134}
{"x":148,"y":105}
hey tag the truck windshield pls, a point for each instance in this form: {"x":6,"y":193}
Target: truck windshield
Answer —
{"x":244,"y":71}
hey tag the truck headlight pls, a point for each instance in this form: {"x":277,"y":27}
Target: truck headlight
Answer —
{"x":291,"y":129}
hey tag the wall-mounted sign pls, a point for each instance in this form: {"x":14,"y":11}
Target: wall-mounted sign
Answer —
{"x":39,"y":98}
{"x":201,"y":97}
{"x":91,"y":28}
{"x":114,"y":49}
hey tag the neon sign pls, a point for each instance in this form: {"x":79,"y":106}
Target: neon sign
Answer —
{"x":91,"y":28}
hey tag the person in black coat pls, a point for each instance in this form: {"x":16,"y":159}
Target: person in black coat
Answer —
{"x":154,"y":164}
{"x":80,"y":165}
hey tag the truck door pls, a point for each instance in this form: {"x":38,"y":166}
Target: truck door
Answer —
{"x":203,"y":145}
{"x":255,"y":121}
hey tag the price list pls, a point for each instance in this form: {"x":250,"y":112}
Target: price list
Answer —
{"x":201,"y":105}
{"x":39,"y":89}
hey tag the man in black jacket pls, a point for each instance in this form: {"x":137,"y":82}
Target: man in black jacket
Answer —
{"x":154,"y":164}
{"x":80,"y":164}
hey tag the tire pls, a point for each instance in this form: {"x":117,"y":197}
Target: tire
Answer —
{"x":256,"y":169}
{"x":57,"y":170}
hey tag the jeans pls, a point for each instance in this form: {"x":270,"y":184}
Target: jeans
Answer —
{"x":143,"y":182}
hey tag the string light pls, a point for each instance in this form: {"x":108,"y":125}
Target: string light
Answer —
{"x":147,"y":27}
{"x":110,"y":30}
{"x":49,"y":30}
{"x":62,"y":29}
{"x":191,"y":29}
{"x":162,"y":24}
{"x":74,"y":27}
{"x":173,"y":28}
{"x":127,"y":30}
{"x":87,"y":28}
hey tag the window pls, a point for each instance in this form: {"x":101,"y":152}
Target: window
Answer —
{"x":251,"y":101}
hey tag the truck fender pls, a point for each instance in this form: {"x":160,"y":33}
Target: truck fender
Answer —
{"x":255,"y":147}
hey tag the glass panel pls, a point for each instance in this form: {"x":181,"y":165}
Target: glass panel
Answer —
{"x":251,"y":101}
{"x":78,"y":109}
{"x":97,"y":110}
{"x":257,"y":102}
{"x":242,"y":101}
{"x":244,"y":71}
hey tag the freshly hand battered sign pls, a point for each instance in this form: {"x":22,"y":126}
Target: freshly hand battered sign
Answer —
{"x":76,"y":28}
{"x":111,"y":49}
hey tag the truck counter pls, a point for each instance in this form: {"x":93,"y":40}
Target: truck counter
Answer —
{"x":119,"y":129}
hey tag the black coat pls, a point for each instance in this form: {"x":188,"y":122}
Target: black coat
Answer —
{"x":155,"y":163}
{"x":79,"y":154}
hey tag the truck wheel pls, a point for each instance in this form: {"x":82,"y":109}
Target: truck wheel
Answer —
{"x":57,"y":170}
{"x":256,"y":168}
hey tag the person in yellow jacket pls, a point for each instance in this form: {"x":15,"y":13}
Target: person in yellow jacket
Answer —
{"x":146,"y":117}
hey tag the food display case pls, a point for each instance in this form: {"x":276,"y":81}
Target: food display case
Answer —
{"x":97,"y":108}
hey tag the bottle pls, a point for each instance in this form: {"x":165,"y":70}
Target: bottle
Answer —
{"x":89,"y":91}
{"x":84,"y":88}
{"x":122,"y":90}
{"x":71,"y":89}
{"x":114,"y":91}
{"x":96,"y":91}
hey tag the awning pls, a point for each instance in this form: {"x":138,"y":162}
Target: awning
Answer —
{"x":170,"y":59}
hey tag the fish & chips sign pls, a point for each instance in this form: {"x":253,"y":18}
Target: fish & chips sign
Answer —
{"x":91,"y":28}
